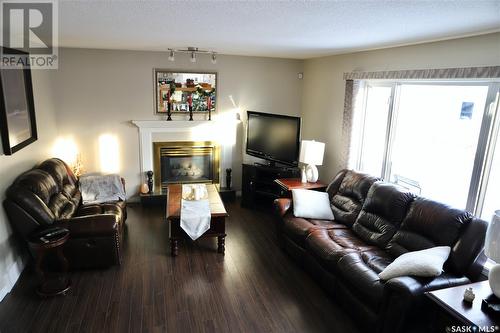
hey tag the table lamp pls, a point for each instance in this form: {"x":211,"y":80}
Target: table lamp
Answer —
{"x":492,"y":251}
{"x":311,"y":153}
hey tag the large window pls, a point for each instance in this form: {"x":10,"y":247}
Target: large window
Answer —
{"x":437,"y":139}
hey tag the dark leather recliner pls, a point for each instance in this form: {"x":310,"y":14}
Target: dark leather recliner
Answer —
{"x":346,"y":255}
{"x":48,"y":196}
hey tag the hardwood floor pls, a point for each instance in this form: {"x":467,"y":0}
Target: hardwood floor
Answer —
{"x":255,"y":287}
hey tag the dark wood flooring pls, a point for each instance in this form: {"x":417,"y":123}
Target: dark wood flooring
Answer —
{"x":255,"y":287}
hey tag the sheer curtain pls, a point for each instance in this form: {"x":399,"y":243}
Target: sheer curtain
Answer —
{"x":351,"y":134}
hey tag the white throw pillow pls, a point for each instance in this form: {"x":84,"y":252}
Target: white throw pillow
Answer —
{"x":428,"y":262}
{"x":311,"y":204}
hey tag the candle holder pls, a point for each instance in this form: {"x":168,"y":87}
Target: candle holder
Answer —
{"x":190,"y":106}
{"x":228,"y":178}
{"x":209,"y":107}
{"x":169,"y":112}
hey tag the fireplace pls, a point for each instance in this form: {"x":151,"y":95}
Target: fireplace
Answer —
{"x":185,"y":162}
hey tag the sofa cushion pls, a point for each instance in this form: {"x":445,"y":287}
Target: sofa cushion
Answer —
{"x":38,"y":182}
{"x":384,"y":209}
{"x":105,"y":208}
{"x":428,"y":224}
{"x":346,"y":203}
{"x":329,"y":245}
{"x":298,"y":228}
{"x":59,"y":171}
{"x":334,"y":186}
{"x":360,"y":270}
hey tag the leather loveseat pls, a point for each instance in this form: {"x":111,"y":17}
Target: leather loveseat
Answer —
{"x":48,"y":196}
{"x":375,"y":222}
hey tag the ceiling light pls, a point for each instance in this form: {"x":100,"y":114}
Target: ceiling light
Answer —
{"x":193,"y":53}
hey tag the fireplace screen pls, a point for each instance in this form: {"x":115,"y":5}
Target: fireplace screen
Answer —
{"x":185,"y":162}
{"x":177,"y":169}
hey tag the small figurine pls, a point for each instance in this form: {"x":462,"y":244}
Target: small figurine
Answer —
{"x":469,"y":295}
{"x":228,"y":178}
{"x":150,"y":181}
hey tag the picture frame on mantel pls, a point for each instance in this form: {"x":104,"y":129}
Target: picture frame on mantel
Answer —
{"x":178,"y":92}
{"x":17,"y":108}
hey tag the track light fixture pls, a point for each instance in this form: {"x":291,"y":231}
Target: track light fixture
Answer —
{"x":193,"y":52}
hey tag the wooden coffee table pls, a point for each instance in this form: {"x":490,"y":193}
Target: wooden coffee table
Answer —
{"x":217,"y":223}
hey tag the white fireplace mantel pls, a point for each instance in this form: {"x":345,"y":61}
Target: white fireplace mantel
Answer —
{"x":151,"y":131}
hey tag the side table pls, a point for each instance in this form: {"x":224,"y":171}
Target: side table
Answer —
{"x":51,"y":241}
{"x":453,"y":313}
{"x":288,"y":184}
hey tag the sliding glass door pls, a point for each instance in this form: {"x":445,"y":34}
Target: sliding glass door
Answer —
{"x":434,"y":138}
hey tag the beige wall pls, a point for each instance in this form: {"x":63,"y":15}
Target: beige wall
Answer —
{"x":99,"y":92}
{"x":323,"y":94}
{"x":11,"y":261}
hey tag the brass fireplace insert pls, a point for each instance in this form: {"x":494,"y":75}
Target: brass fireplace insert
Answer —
{"x":185,"y":162}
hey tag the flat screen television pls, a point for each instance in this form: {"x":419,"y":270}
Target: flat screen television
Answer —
{"x":273,"y":137}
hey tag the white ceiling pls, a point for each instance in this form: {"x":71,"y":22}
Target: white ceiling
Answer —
{"x":291,"y":29}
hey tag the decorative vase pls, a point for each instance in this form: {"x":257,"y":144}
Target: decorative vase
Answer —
{"x":144,"y":188}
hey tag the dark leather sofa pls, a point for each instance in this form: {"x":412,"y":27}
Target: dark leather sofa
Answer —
{"x":48,"y":196}
{"x":375,"y":222}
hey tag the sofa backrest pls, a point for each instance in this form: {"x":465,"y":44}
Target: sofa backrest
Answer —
{"x":384,"y":209}
{"x":430,"y":223}
{"x":44,"y":194}
{"x":347,"y":194}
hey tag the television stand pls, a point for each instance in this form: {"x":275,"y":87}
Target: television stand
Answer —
{"x":258,"y":186}
{"x":271,"y":164}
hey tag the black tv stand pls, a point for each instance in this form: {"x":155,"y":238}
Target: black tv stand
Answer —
{"x":270,"y":164}
{"x":258,"y":186}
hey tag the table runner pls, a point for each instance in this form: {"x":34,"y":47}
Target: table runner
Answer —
{"x":195,"y":210}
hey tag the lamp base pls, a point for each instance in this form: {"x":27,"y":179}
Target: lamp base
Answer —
{"x":312,"y":173}
{"x":494,"y":279}
{"x":303,"y":176}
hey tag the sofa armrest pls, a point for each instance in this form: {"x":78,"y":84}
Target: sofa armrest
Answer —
{"x":403,"y":297}
{"x":282,"y":205}
{"x":90,"y":225}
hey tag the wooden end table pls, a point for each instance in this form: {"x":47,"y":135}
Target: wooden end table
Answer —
{"x":217,"y":223}
{"x":455,"y":312}
{"x":288,"y":184}
{"x":49,"y":241}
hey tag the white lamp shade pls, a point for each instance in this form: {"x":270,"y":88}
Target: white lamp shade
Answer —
{"x":492,"y":243}
{"x":311,"y":152}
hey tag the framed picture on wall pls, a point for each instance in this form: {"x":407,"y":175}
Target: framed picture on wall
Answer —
{"x":17,"y":109}
{"x":180,"y":91}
